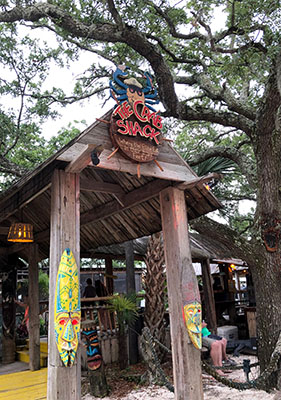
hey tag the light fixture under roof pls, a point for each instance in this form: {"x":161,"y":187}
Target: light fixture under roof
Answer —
{"x":20,"y":232}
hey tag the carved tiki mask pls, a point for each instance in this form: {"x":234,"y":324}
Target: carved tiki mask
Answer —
{"x":193,"y":322}
{"x":67,"y":308}
{"x":90,"y":339}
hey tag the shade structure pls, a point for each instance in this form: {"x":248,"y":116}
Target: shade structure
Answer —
{"x":20,"y":232}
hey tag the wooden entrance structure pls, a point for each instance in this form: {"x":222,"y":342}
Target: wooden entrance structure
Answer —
{"x":72,"y":203}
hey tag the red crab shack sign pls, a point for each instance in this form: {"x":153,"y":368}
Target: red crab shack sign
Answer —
{"x":135,"y":127}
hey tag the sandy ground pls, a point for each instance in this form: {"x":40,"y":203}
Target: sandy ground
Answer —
{"x":213,"y":390}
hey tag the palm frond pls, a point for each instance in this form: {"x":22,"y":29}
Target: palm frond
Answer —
{"x":215,"y":164}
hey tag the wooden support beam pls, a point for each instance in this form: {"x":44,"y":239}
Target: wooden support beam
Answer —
{"x":108,"y":275}
{"x":169,"y":170}
{"x":33,"y":296}
{"x":82,"y":160}
{"x":4,"y":230}
{"x":196,"y":181}
{"x":137,"y":196}
{"x":89,"y":185}
{"x":64,"y":383}
{"x":15,"y":248}
{"x":182,"y":290}
{"x":209,"y":299}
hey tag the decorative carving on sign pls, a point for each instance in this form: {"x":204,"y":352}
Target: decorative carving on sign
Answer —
{"x":135,"y":127}
{"x":67,"y":308}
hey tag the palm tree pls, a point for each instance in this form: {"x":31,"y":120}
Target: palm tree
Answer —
{"x":126,"y":312}
{"x":155,"y":285}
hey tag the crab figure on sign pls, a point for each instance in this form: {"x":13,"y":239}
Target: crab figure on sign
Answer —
{"x":135,"y":127}
{"x":131,"y":90}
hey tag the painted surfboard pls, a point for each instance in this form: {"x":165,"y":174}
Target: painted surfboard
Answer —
{"x":67,"y":308}
{"x":193,"y":318}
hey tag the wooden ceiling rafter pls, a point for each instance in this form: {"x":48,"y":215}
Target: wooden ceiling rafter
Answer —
{"x":133,"y":198}
{"x":89,"y":185}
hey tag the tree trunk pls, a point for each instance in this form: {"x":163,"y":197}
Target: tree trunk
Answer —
{"x":131,"y":288}
{"x":266,"y":274}
{"x":123,"y":349}
{"x":98,"y":384}
{"x":154,"y":282}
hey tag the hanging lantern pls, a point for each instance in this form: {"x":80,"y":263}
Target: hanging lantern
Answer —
{"x":20,"y":232}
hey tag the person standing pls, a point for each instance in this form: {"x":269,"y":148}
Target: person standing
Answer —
{"x":25,"y":305}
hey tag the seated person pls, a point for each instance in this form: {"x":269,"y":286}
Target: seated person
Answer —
{"x":217,"y":346}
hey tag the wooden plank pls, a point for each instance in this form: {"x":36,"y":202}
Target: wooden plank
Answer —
{"x":133,"y":198}
{"x":182,"y":290}
{"x":89,"y":185}
{"x":33,"y":296}
{"x":173,"y":172}
{"x":63,"y":383}
{"x":24,"y":385}
{"x":27,"y":189}
{"x":15,"y":248}
{"x":209,"y":299}
{"x":108,"y":275}
{"x":196,"y":181}
{"x":4,"y":230}
{"x":82,"y":160}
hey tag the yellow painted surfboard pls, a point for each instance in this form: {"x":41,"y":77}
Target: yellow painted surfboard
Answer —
{"x":193,"y":319}
{"x":67,"y":308}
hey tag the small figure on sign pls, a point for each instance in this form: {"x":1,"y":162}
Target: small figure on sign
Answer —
{"x":131,"y":89}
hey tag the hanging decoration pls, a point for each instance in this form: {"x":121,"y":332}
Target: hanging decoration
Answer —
{"x":67,"y":308}
{"x":135,"y":126}
{"x":193,"y":321}
{"x":20,"y":232}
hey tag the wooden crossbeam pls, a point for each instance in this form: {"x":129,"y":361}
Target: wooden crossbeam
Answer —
{"x":89,"y":185}
{"x":4,"y":230}
{"x":131,"y":199}
{"x":15,"y":248}
{"x":82,"y":160}
{"x":194,"y":182}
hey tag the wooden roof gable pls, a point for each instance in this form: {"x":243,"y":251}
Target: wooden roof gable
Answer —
{"x":117,"y":202}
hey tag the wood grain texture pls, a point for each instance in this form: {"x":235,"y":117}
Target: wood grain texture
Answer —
{"x":63,"y":383}
{"x":33,"y":295}
{"x":182,"y":288}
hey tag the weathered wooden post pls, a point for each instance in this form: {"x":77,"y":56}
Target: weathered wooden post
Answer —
{"x":109,"y":275}
{"x":33,"y":296}
{"x":182,"y":291}
{"x":9,"y":312}
{"x":64,"y":383}
{"x":209,"y":299}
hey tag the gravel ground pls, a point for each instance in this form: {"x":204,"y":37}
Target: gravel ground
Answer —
{"x":213,"y":390}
